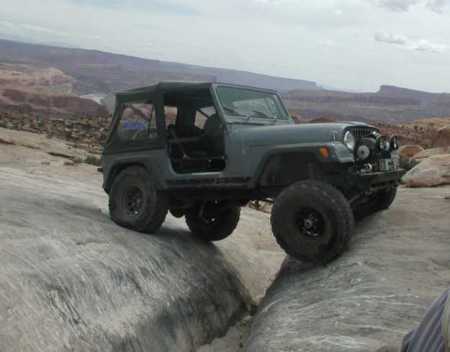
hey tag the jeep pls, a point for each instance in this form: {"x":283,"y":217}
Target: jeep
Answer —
{"x":204,"y":150}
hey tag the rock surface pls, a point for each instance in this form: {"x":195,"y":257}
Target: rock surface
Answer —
{"x":430,"y":152}
{"x":443,"y":137}
{"x":370,"y":297}
{"x":431,"y":172}
{"x":406,"y":152}
{"x":71,"y":280}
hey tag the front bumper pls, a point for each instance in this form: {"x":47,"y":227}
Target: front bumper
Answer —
{"x":380,"y":179}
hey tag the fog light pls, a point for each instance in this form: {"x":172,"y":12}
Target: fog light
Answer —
{"x":363,"y":152}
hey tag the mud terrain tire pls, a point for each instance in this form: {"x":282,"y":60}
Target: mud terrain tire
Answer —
{"x":312,"y":221}
{"x":213,"y":229}
{"x":135,"y":203}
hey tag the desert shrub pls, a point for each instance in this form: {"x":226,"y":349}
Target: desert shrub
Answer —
{"x":92,"y":160}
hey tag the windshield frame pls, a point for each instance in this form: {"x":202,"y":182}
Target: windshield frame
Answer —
{"x":252,"y":119}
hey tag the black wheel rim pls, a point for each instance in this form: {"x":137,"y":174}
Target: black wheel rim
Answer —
{"x":210,"y":218}
{"x":133,"y":201}
{"x":310,"y":223}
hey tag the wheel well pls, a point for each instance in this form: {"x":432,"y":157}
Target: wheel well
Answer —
{"x":117,"y":169}
{"x":285,"y":169}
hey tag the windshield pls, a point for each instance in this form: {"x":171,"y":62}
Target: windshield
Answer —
{"x":248,"y":104}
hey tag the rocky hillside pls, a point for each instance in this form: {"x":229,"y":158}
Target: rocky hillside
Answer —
{"x":389,"y":104}
{"x":100,"y":72}
{"x":36,"y":75}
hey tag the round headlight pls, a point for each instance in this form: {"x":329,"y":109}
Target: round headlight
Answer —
{"x":349,"y":140}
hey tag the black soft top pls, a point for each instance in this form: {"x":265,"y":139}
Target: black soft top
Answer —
{"x":147,"y":93}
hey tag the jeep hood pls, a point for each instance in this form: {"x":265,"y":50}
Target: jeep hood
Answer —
{"x":293,"y":134}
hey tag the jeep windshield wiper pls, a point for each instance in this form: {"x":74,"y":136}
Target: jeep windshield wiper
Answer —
{"x":232,"y":111}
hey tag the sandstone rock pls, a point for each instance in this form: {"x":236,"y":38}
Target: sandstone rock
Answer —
{"x":6,"y":141}
{"x":429,"y":152}
{"x":431,"y":172}
{"x":372,"y":296}
{"x":406,"y":153}
{"x":442,"y":138}
{"x":71,"y":280}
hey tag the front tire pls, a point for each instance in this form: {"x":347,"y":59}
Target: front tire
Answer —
{"x":135,"y":203}
{"x":211,"y":226}
{"x":312,"y":221}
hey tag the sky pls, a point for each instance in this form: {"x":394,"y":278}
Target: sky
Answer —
{"x":344,"y":44}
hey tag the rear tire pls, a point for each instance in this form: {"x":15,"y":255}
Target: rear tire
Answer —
{"x":211,"y":228}
{"x":382,"y":200}
{"x":312,"y":221}
{"x":135,"y":203}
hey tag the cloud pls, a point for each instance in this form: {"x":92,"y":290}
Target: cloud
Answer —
{"x":391,"y":38}
{"x":174,"y":7}
{"x":397,"y":5}
{"x":22,"y":29}
{"x":437,"y":6}
{"x":426,"y":45}
{"x":410,"y":44}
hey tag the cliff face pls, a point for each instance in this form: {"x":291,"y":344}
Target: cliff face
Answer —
{"x":45,"y":105}
{"x":46,"y":92}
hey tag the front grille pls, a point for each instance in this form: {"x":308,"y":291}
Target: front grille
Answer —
{"x":362,"y":132}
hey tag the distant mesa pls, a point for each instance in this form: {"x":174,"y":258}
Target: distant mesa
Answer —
{"x":101,"y":72}
{"x":94,"y":76}
{"x":390,"y":104}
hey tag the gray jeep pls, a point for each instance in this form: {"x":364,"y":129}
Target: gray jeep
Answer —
{"x":204,"y":150}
